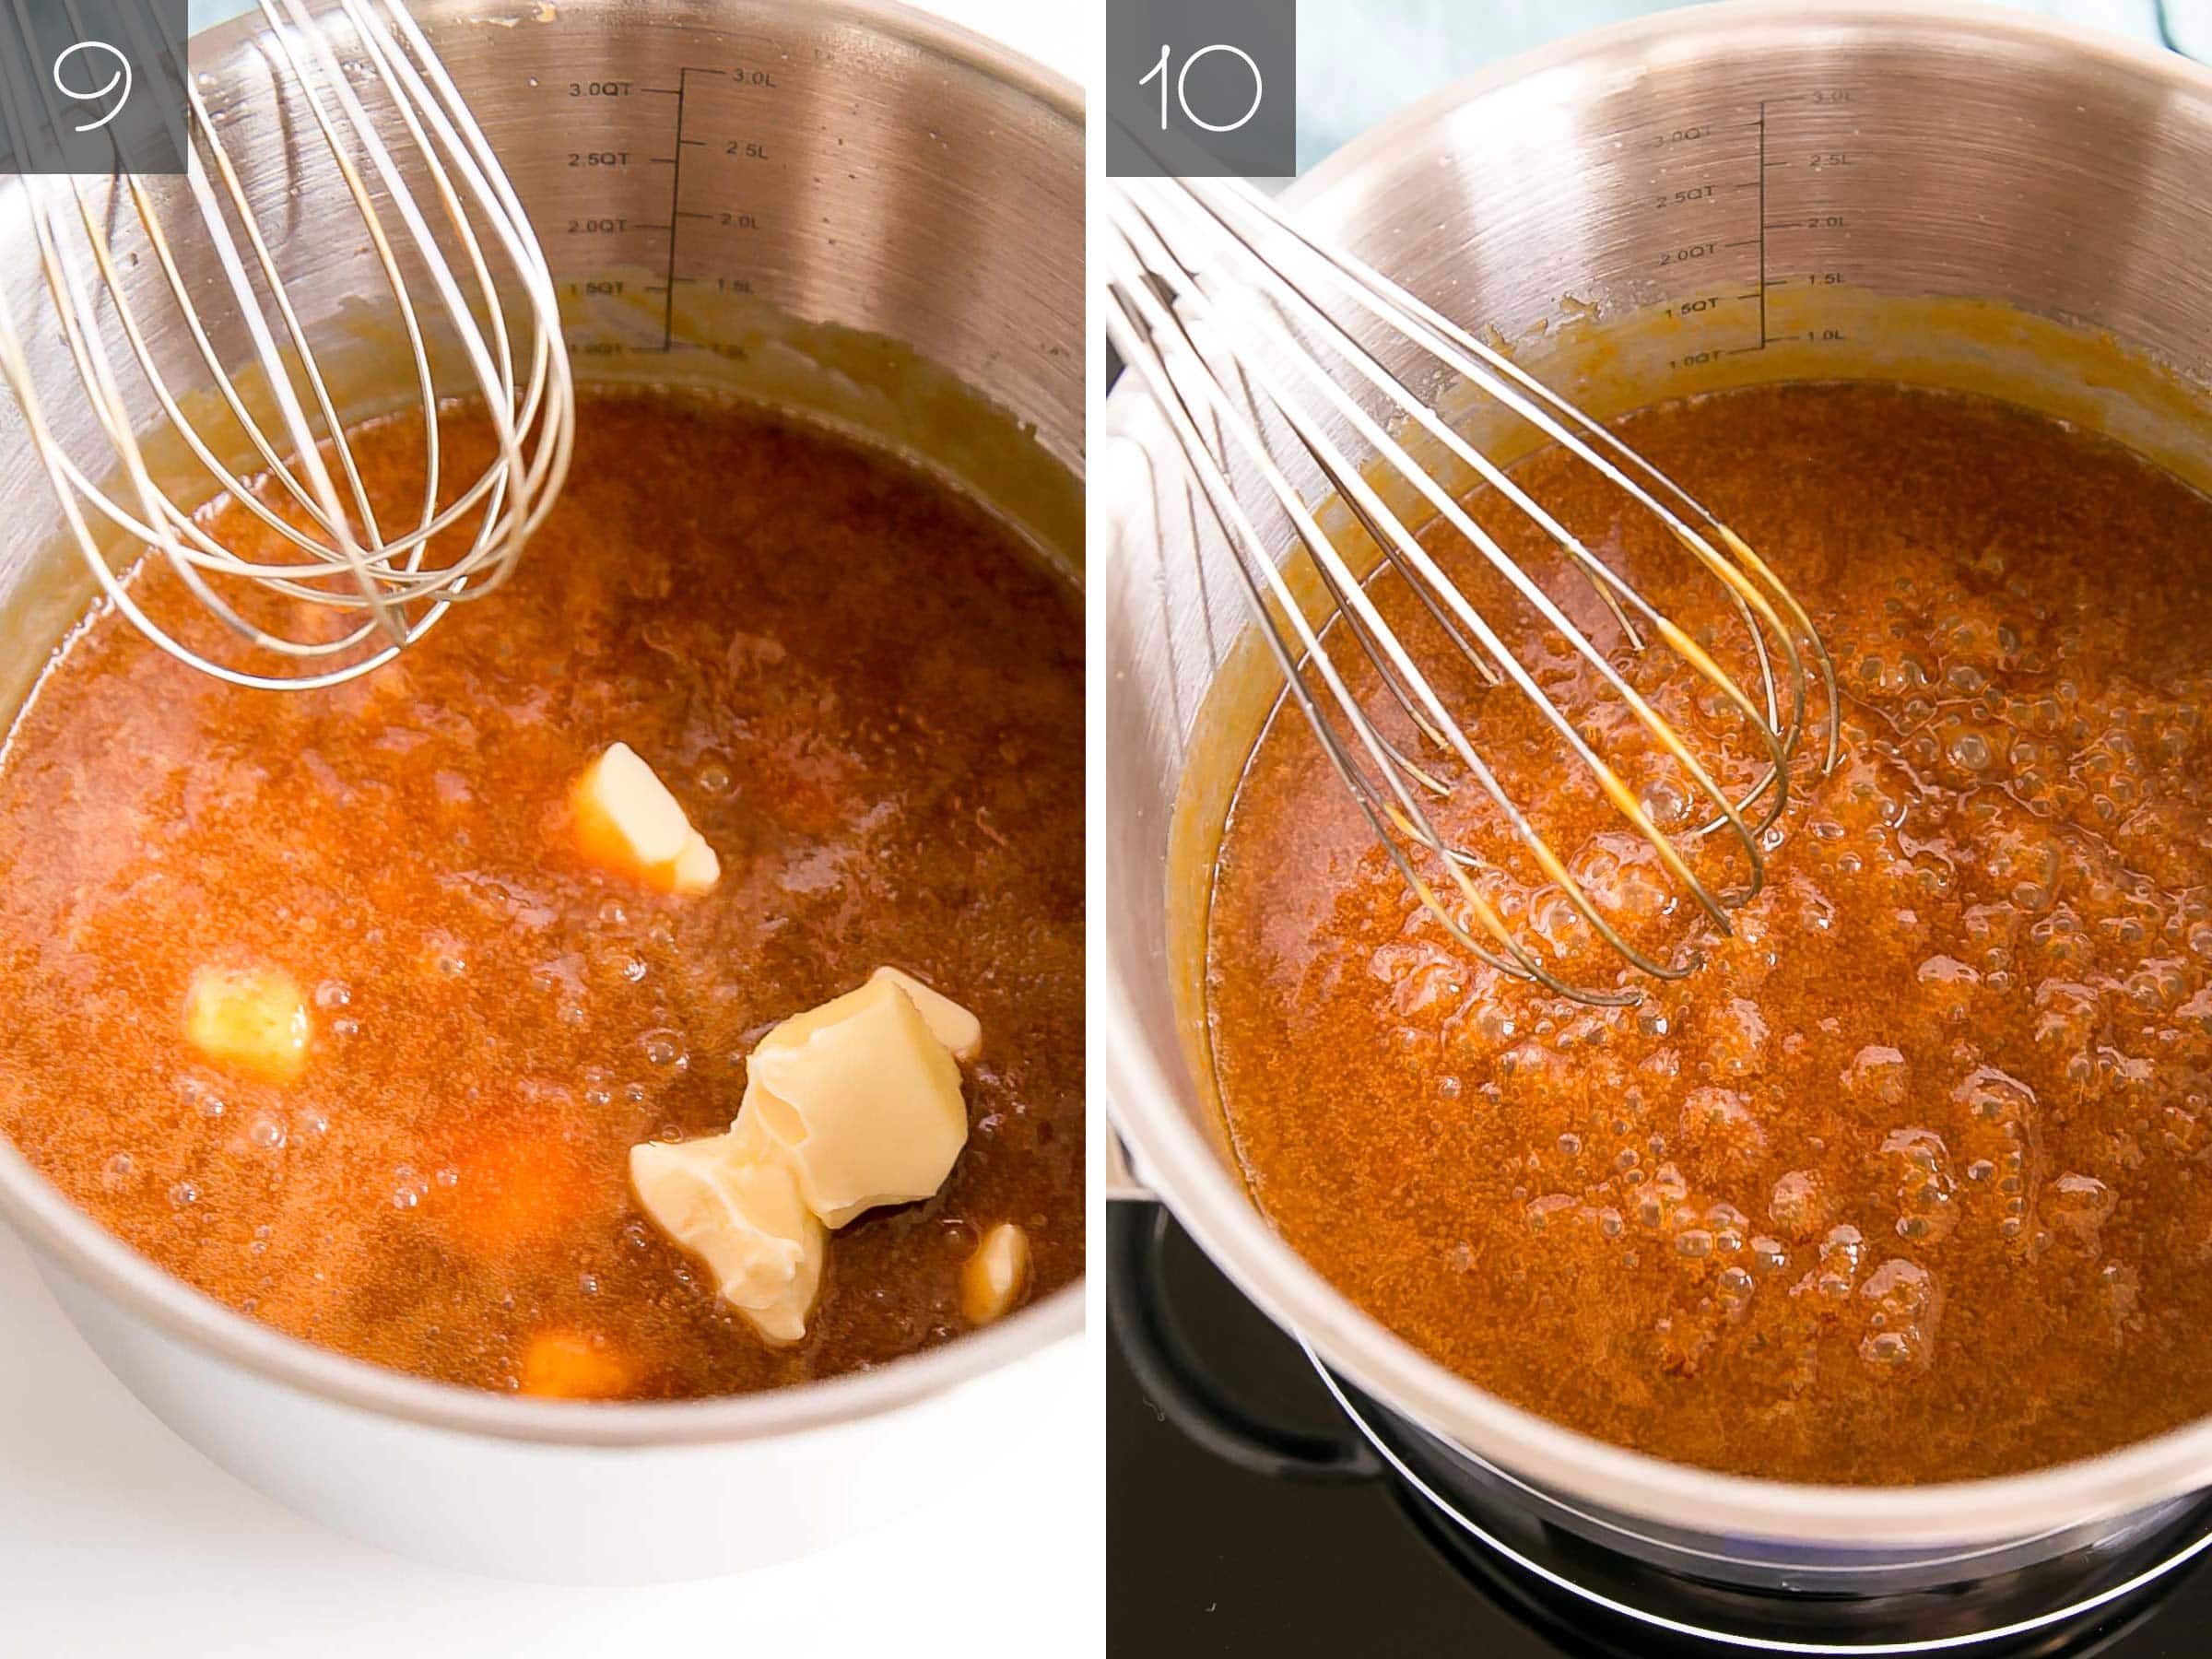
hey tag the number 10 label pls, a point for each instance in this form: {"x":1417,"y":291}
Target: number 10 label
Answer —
{"x":1201,"y":89}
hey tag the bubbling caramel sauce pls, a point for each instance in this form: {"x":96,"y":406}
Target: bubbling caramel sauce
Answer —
{"x":1912,"y":1181}
{"x":867,"y":693}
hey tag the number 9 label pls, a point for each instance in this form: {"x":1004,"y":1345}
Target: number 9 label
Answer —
{"x":114,"y":91}
{"x":93,"y":87}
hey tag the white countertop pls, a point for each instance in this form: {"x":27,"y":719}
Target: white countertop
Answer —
{"x":118,"y":1539}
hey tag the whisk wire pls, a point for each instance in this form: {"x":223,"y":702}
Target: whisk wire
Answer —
{"x":1222,"y":501}
{"x":1581,"y":435}
{"x":436,"y":211}
{"x":1212,"y":287}
{"x":1409,"y":554}
{"x":1506,"y":951}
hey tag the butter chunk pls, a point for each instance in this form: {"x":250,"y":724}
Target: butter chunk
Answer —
{"x":696,"y":869}
{"x":953,"y":1025}
{"x":863,"y":1098}
{"x":250,"y":1019}
{"x":733,"y":1200}
{"x":993,"y":1279}
{"x":626,"y":821}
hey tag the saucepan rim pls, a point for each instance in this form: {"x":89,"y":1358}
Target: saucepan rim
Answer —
{"x":1174,"y":1159}
{"x":81,"y":1247}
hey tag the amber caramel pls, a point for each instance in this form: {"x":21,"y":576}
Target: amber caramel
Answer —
{"x":866,"y":693}
{"x":1909,"y":1182}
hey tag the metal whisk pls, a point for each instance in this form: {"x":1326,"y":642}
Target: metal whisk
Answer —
{"x":451,"y":268}
{"x":1266,"y":351}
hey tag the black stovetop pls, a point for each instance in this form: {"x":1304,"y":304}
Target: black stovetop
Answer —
{"x":1207,"y":1558}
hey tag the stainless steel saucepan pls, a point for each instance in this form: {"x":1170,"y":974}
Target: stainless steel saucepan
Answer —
{"x":845,"y":205}
{"x":1941,"y":194}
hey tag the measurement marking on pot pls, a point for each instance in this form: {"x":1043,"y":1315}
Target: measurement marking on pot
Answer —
{"x":1774,"y":162}
{"x":718,"y":117}
{"x":689,"y":116}
{"x":1762,"y":224}
{"x":675,"y":211}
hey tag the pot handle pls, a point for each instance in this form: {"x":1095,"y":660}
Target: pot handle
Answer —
{"x":1176,"y":1380}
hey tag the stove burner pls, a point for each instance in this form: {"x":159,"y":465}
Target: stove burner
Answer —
{"x":1577,"y":1595}
{"x":2067,"y":1607}
{"x":1569,"y":1623}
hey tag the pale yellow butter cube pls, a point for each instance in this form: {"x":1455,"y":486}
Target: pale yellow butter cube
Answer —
{"x":864,"y":1099}
{"x":993,"y":1279}
{"x":626,"y":820}
{"x":733,"y":1200}
{"x":250,"y":1019}
{"x":953,"y":1025}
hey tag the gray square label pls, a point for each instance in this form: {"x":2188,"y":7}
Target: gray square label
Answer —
{"x":92,"y":86}
{"x":1201,"y":89}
